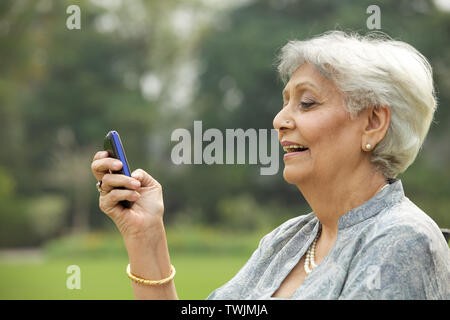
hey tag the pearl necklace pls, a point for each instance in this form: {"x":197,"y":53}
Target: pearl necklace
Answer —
{"x":311,"y":252}
{"x":310,"y":255}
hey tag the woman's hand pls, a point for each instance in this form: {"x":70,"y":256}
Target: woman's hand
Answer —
{"x":146,"y":193}
{"x":141,"y":225}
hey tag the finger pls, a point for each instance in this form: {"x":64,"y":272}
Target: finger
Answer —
{"x":145,"y":179}
{"x":111,"y":199}
{"x":101,"y":166}
{"x":114,"y":180}
{"x":100,"y":155}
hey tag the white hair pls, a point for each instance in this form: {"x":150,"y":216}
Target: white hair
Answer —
{"x":374,"y":70}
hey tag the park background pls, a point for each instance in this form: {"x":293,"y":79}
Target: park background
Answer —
{"x":146,"y":68}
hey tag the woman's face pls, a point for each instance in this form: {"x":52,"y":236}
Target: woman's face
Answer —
{"x":313,"y":116}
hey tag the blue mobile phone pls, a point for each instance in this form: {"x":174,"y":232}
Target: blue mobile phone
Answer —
{"x":113,"y":144}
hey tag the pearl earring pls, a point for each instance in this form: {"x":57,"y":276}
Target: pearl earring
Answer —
{"x":368,"y":146}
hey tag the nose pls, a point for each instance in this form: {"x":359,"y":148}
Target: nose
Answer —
{"x":283,"y":121}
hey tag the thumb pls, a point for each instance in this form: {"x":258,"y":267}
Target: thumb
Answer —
{"x":145,"y":179}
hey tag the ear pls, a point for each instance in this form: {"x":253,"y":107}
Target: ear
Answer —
{"x":377,"y":120}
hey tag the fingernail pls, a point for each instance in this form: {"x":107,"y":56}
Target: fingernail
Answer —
{"x":117,"y":164}
{"x":135,"y":175}
{"x":135,"y":183}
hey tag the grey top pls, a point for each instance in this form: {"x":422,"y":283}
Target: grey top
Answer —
{"x":387,"y":248}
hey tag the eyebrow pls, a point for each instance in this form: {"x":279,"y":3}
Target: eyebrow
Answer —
{"x":303,"y":83}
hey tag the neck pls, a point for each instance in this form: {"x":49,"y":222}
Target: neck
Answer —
{"x":332,"y":198}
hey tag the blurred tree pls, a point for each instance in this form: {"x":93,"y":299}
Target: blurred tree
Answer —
{"x":83,"y":82}
{"x":46,"y":214}
{"x":70,"y":157}
{"x":15,"y":227}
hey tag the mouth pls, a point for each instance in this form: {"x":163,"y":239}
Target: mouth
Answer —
{"x":294,"y":148}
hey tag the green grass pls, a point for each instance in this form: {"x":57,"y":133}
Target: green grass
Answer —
{"x":204,"y":258}
{"x":197,"y":276}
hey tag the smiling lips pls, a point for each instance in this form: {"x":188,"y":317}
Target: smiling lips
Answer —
{"x":292,"y":149}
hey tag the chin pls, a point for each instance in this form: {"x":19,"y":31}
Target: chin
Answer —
{"x":293,"y":175}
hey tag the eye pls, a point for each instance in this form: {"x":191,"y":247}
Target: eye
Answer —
{"x":306,"y":104}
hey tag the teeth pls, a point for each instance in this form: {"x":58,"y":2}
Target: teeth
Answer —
{"x":292,"y":146}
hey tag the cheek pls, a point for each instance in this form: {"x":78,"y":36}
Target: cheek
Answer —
{"x":319,"y":128}
{"x":330,"y":135}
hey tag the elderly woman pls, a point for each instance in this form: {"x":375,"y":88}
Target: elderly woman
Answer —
{"x":355,"y":113}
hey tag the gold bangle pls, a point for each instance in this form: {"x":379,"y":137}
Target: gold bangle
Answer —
{"x":151,"y":282}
